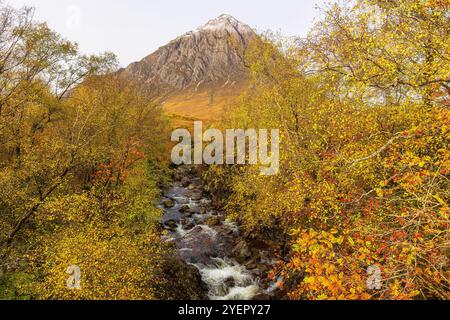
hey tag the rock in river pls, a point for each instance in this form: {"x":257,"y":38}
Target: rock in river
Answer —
{"x":242,"y":252}
{"x":196,"y":195}
{"x":185,"y":182}
{"x":168,"y":203}
{"x":185,"y":208}
{"x":171,"y":225}
{"x":213,"y":221}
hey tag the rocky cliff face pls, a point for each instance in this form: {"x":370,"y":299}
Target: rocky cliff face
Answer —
{"x":209,"y":56}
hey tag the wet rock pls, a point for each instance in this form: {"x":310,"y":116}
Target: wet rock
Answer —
{"x":202,"y":210}
{"x":181,"y":282}
{"x":198,"y":246}
{"x":185,"y":182}
{"x":250,"y":265}
{"x":168,"y":203}
{"x":194,"y":210}
{"x":242,"y":252}
{"x":196,"y":195}
{"x":213,"y":221}
{"x":215,"y":204}
{"x":185,"y":208}
{"x":262,"y":297}
{"x":171,"y":225}
{"x":188,"y":224}
{"x":256,"y":273}
{"x":256,"y":244}
{"x":173,"y":165}
{"x":263,"y":268}
{"x":187,"y":214}
{"x":265,"y":284}
{"x":197,"y":230}
{"x":177,"y":176}
{"x":230,"y":283}
{"x":279,"y":294}
{"x":196,"y":170}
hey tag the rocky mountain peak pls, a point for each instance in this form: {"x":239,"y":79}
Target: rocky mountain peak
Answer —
{"x":227,"y":23}
{"x":211,"y":55}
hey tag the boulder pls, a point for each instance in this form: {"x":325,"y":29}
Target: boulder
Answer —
{"x":185,"y":208}
{"x":230,"y":283}
{"x":191,"y":225}
{"x":171,"y":225}
{"x":194,"y":210}
{"x":261,"y":297}
{"x":279,"y":294}
{"x":263,"y":268}
{"x":241,"y":251}
{"x":188,"y":224}
{"x":180,"y":281}
{"x":177,"y":176}
{"x":185,"y":182}
{"x":196,"y":170}
{"x":213,"y":221}
{"x":168,"y":203}
{"x":196,"y":196}
{"x":250,"y":265}
{"x":229,"y":232}
{"x":187,"y":214}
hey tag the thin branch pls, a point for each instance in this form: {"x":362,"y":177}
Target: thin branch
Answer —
{"x":398,"y":136}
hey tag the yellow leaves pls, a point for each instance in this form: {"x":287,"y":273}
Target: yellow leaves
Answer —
{"x":339,"y":240}
{"x":439,"y":199}
{"x":444,"y":213}
{"x":107,"y":229}
{"x":309,"y":280}
{"x":341,"y":218}
{"x":112,"y":267}
{"x":384,"y":183}
{"x":351,"y":241}
{"x":379,"y":192}
{"x":316,"y":127}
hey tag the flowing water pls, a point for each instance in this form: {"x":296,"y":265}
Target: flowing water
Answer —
{"x":205,"y":239}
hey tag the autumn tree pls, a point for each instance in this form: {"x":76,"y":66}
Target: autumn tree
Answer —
{"x":81,"y":157}
{"x":362,"y":106}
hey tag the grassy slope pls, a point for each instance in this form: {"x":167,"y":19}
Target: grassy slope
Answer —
{"x":188,"y":106}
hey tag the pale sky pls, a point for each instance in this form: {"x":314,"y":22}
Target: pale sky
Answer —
{"x":132,"y":29}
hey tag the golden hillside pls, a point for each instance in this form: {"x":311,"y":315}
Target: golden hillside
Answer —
{"x":206,"y":104}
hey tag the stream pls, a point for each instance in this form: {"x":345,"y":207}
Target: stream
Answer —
{"x":205,"y":239}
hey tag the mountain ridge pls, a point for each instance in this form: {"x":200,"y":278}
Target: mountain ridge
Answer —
{"x":212,"y":54}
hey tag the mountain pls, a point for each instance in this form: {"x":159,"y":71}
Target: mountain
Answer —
{"x":198,"y":72}
{"x":212,"y":53}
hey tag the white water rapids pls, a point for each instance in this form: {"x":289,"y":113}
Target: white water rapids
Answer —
{"x":207,"y":245}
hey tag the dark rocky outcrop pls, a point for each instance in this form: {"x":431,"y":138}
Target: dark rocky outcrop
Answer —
{"x":181,"y":281}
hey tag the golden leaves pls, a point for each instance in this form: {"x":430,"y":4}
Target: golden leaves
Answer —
{"x":370,"y":87}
